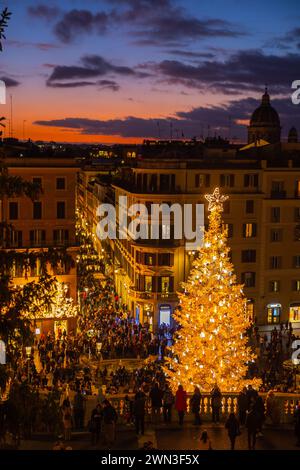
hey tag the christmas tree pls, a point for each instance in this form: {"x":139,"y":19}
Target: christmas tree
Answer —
{"x":210,"y":346}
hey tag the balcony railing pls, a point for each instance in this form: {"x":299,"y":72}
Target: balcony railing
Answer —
{"x":280,"y":413}
{"x":278,"y":194}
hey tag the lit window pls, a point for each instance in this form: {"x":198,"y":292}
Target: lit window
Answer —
{"x":148,"y":283}
{"x":274,"y":311}
{"x":165,"y":284}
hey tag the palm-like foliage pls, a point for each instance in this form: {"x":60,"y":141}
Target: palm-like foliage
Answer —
{"x":4,"y":17}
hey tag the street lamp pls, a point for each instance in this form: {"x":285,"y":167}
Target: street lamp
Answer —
{"x":98,"y":347}
{"x":28,"y":354}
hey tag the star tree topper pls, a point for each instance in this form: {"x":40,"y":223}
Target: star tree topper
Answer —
{"x":215,"y":200}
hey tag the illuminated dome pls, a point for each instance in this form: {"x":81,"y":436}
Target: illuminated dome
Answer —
{"x":264,"y":122}
{"x":265,"y":114}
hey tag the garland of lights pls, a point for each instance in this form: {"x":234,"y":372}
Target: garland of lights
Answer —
{"x":210,"y":347}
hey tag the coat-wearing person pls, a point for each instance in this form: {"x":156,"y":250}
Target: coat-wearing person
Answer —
{"x":205,"y":442}
{"x":180,"y":403}
{"x":233,"y":429}
{"x":242,"y":403}
{"x":139,"y":412}
{"x":156,"y":395}
{"x":216,"y":403}
{"x":95,"y":424}
{"x":252,"y":426}
{"x":195,"y":403}
{"x":79,"y":410}
{"x":67,"y":419}
{"x":168,"y":401}
{"x":110,"y":417}
{"x":260,"y":412}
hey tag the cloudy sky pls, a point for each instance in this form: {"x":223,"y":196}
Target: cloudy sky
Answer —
{"x":124,"y":70}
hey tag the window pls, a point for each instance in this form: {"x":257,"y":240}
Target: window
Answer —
{"x":61,"y":210}
{"x":165,"y":284}
{"x":153,"y":182}
{"x":250,"y":309}
{"x":37,"y":237}
{"x":167,"y":182}
{"x":60,"y":236}
{"x":249,"y":206}
{"x":296,"y":285}
{"x":248,"y":279}
{"x":148,"y":283}
{"x":275,"y":262}
{"x":275,"y":214}
{"x":227,"y":180}
{"x":297,"y":233}
{"x":277,"y":186}
{"x":296,"y":261}
{"x":165,"y":259}
{"x":15,"y":239}
{"x":276,"y":235}
{"x":297,"y":214}
{"x":17,"y":269}
{"x":37,"y":180}
{"x":294,"y":314}
{"x":249,"y":230}
{"x":274,"y":286}
{"x":60,"y":183}
{"x":37,"y":210}
{"x":202,"y":180}
{"x":13,"y":211}
{"x":149,"y":259}
{"x":248,"y":256}
{"x":229,"y":228}
{"x":35,"y":269}
{"x":251,"y":180}
{"x":273,"y":313}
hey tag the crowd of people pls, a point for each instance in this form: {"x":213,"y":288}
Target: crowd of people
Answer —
{"x":60,"y":366}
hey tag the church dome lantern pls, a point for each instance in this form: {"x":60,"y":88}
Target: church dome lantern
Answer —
{"x":264,"y":122}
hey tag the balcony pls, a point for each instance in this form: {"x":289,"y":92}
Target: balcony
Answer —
{"x":275,"y":194}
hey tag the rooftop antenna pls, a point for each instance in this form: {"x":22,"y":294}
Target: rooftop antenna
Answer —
{"x":229,"y":128}
{"x":11,"y":116}
{"x":171,"y":130}
{"x":158,"y":126}
{"x":24,"y":121}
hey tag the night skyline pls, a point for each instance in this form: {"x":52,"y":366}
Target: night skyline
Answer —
{"x":111,"y":71}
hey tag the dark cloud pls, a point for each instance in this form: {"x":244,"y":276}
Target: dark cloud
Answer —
{"x":43,"y":46}
{"x":92,"y":66}
{"x":189,"y":123}
{"x":155,"y":22}
{"x":101,"y":84}
{"x":10,"y":82}
{"x":69,"y":84}
{"x":190,"y":54}
{"x":287,"y":41}
{"x":108,"y":84}
{"x":43,"y":11}
{"x":76,"y":22}
{"x":242,"y":71}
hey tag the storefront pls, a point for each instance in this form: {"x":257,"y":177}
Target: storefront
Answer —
{"x":165,"y":313}
{"x":294,"y":312}
{"x":273,"y":313}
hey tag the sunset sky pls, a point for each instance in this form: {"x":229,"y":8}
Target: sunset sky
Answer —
{"x":123,"y":70}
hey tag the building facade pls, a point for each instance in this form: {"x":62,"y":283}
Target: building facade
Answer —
{"x":48,"y":222}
